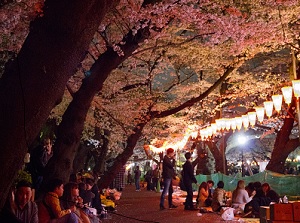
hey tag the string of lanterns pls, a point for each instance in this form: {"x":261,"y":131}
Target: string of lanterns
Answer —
{"x":251,"y":117}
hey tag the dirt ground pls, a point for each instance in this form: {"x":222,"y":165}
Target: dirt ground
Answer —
{"x":143,"y":206}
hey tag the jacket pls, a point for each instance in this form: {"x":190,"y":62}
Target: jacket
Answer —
{"x":168,"y":168}
{"x":50,"y":208}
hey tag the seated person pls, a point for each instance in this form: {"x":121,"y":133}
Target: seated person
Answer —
{"x":274,"y":197}
{"x":258,"y":200}
{"x":72,"y":199}
{"x":218,"y":197}
{"x":210,"y":185}
{"x":96,"y":202}
{"x":50,"y":209}
{"x":85,"y":193}
{"x":250,"y":188}
{"x":240,"y":196}
{"x":202,"y":194}
{"x":21,"y":209}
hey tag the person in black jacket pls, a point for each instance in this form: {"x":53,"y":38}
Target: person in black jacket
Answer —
{"x":168,"y":174}
{"x":188,"y":178}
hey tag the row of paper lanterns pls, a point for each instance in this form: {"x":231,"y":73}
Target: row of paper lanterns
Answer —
{"x":251,"y":117}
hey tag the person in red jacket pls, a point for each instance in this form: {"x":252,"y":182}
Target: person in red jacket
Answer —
{"x":168,"y":174}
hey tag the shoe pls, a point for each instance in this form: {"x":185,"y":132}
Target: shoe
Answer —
{"x":172,"y":206}
{"x":162,"y":208}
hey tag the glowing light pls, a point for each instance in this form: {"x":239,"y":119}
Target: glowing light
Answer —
{"x":242,"y":139}
{"x":219,"y":124}
{"x":277,"y":101}
{"x":287,"y":94}
{"x":209,"y":131}
{"x":246,"y":121}
{"x":269,"y":108}
{"x":239,"y":122}
{"x":194,"y":135}
{"x":260,"y":113}
{"x":214,"y":128}
{"x":252,"y":118}
{"x":223,"y":123}
{"x":296,"y":87}
{"x":203,"y":133}
{"x":227,"y":124}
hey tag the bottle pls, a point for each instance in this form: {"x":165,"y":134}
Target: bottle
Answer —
{"x":103,"y":214}
{"x":285,"y":199}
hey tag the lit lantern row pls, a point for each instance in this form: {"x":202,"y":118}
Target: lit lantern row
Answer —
{"x":251,"y":117}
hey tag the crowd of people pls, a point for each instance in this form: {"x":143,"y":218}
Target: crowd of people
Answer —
{"x":245,"y":199}
{"x":62,"y":203}
{"x":77,"y":201}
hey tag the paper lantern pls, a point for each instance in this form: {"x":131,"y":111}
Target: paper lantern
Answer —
{"x":269,"y":108}
{"x":296,"y":87}
{"x":214,"y":128}
{"x":287,"y":94}
{"x":238,"y":122}
{"x":227,"y":124}
{"x":219,"y":124}
{"x":260,"y":113}
{"x":233,"y":124}
{"x":277,"y":101}
{"x":246,"y":121}
{"x":252,"y":118}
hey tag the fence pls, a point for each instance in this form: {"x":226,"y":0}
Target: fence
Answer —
{"x":283,"y":184}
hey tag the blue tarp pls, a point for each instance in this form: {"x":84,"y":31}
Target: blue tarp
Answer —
{"x":281,"y":183}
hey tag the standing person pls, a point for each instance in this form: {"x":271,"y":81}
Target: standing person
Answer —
{"x":155,"y":178}
{"x":40,"y":156}
{"x":188,"y":178}
{"x":129,"y":178}
{"x":168,"y":174}
{"x":148,"y":179}
{"x":137,"y":175}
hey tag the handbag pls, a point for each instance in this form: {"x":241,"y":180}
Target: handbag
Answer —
{"x":227,"y":214}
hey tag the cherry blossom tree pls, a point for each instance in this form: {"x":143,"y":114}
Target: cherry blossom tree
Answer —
{"x":203,"y":37}
{"x":161,"y":40}
{"x":33,"y":83}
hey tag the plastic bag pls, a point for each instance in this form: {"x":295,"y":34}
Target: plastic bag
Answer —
{"x":228,"y":214}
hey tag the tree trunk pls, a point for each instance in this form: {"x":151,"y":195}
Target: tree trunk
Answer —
{"x":81,"y":158}
{"x":34,"y":82}
{"x":283,"y":146}
{"x":217,"y":154}
{"x":100,"y":159}
{"x":122,"y":158}
{"x":71,"y":127}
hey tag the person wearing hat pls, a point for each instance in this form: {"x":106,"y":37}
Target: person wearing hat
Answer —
{"x":168,"y":174}
{"x":188,"y":178}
